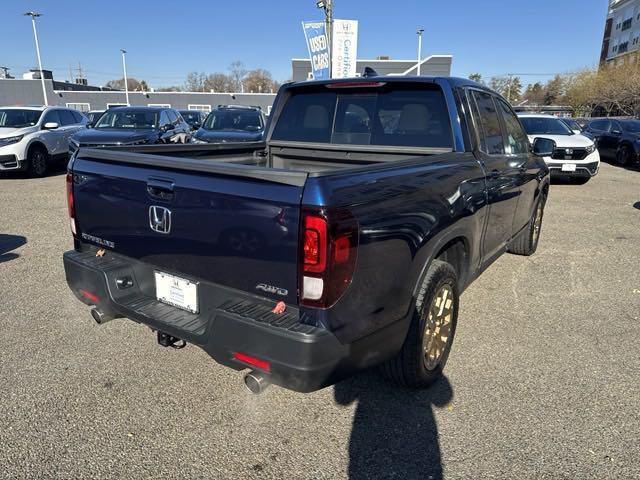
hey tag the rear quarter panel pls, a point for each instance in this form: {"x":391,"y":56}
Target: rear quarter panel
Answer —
{"x":406,"y":212}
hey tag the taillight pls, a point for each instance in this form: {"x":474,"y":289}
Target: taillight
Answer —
{"x":329,"y":242}
{"x":70,"y":204}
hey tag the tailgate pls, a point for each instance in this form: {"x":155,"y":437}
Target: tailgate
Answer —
{"x":222,"y":227}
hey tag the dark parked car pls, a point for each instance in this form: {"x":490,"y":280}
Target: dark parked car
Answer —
{"x":617,"y":140}
{"x":573,"y":125}
{"x":341,"y":242}
{"x":232,"y":123}
{"x":194,"y":118}
{"x":93,"y":116}
{"x":134,"y":126}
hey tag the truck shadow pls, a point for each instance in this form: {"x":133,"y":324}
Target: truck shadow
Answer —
{"x":394,"y":433}
{"x":9,"y":243}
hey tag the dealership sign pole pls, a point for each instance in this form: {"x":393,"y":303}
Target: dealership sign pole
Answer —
{"x":318,"y":45}
{"x":344,"y":48}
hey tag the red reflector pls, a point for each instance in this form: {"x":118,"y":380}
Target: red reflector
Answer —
{"x":70,"y":204}
{"x":253,"y":361}
{"x":89,"y":296}
{"x":315,"y":244}
{"x":341,"y":248}
{"x":355,"y":84}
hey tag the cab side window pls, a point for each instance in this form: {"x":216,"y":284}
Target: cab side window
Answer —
{"x":491,"y":140}
{"x":600,"y":125}
{"x":516,"y":141}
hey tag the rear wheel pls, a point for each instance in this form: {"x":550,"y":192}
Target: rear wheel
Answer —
{"x":623,"y":155}
{"x":426,"y":348}
{"x":37,"y":162}
{"x":526,"y":243}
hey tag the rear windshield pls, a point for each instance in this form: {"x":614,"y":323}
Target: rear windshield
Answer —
{"x":388,"y":115}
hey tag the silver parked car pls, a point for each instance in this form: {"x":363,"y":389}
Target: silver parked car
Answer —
{"x":33,"y":137}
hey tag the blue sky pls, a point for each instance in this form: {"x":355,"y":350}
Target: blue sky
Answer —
{"x":166,"y":40}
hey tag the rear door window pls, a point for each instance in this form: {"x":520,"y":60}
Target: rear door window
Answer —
{"x":491,"y":140}
{"x":386,"y":115}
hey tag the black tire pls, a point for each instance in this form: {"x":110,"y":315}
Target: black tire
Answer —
{"x":526,"y":243}
{"x":623,"y":156}
{"x":409,"y":368}
{"x":37,"y":162}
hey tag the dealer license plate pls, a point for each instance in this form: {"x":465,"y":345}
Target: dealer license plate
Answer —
{"x":177,"y":291}
{"x":568,"y":167}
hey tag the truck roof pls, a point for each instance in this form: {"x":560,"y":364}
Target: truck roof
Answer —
{"x":453,"y":81}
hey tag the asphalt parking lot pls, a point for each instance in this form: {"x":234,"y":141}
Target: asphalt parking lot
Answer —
{"x":542,"y":382}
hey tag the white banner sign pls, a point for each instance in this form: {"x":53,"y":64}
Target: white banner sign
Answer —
{"x":344,"y":48}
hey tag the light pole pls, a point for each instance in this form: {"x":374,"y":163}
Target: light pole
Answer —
{"x":419,"y":33}
{"x":327,"y":6}
{"x":33,"y":16}
{"x":124,"y":68}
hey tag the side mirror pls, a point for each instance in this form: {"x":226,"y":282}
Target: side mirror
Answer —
{"x":543,"y":147}
{"x":166,"y":127}
{"x":616,"y":132}
{"x":50,"y":126}
{"x":89,"y":125}
{"x":196,"y":126}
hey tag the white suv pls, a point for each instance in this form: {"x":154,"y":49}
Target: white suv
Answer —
{"x":574,"y":155}
{"x":32,"y":137}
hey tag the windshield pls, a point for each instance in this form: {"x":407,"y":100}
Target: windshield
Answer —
{"x":632,"y":126}
{"x":572,"y":124}
{"x":134,"y":119}
{"x":191,"y":117}
{"x":16,"y":118}
{"x":544,"y":126}
{"x":238,"y":120}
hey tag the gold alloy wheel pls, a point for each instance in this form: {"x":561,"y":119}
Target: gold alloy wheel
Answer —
{"x":537,"y":224}
{"x":438,"y":326}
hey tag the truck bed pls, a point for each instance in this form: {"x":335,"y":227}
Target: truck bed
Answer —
{"x":284,"y":157}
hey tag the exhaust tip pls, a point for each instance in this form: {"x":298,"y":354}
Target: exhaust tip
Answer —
{"x":255,"y":382}
{"x":100,"y":317}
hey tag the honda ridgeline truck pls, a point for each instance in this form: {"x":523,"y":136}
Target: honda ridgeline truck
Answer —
{"x":340,"y":242}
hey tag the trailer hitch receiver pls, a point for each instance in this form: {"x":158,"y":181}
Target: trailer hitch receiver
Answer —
{"x":166,"y":340}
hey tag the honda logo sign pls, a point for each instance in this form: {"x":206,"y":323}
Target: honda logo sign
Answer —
{"x":160,"y":219}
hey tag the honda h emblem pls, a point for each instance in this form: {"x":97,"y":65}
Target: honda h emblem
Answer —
{"x":569,"y":151}
{"x":159,"y":219}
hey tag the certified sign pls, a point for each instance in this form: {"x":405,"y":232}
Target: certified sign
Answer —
{"x":344,"y":48}
{"x":318,"y":45}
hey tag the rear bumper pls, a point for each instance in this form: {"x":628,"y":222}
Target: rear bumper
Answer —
{"x":302,"y":357}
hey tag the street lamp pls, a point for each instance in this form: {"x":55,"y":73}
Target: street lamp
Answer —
{"x":124,"y":68}
{"x":419,"y":33}
{"x":327,"y":6}
{"x":33,"y":16}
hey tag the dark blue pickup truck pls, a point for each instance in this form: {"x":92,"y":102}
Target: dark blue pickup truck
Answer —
{"x":340,"y":242}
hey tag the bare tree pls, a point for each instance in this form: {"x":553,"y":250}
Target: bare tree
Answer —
{"x":218,"y":82}
{"x":195,"y":82}
{"x":132,"y":83}
{"x":237,"y":71}
{"x":258,"y":81}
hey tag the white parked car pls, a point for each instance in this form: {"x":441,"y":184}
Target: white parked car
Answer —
{"x":574,"y":155}
{"x":33,"y":137}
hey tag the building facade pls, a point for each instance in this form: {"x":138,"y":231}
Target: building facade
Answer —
{"x":435,"y":65}
{"x":621,"y":40}
{"x":28,"y":90}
